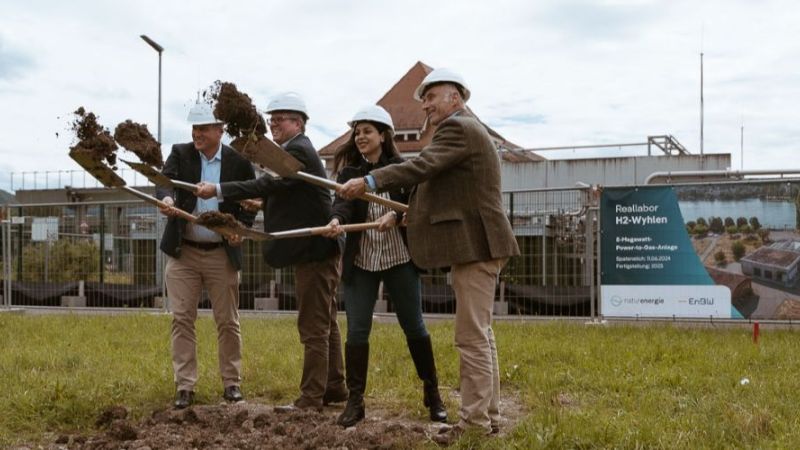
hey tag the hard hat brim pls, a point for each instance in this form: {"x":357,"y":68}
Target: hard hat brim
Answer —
{"x":420,"y":91}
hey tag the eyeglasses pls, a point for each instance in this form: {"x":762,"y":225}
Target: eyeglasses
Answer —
{"x":274,"y":120}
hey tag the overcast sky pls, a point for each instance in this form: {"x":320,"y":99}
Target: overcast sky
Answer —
{"x":542,"y":73}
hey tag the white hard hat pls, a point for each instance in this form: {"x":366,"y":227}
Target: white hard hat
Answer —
{"x":442,"y":75}
{"x":202,"y":114}
{"x":288,"y":101}
{"x":372,"y":113}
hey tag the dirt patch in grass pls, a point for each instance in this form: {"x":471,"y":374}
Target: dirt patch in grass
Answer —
{"x":136,"y":138}
{"x":257,"y":426}
{"x":93,"y":139}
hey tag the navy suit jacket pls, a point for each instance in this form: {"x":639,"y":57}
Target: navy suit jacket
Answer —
{"x":183,"y":164}
{"x":290,"y":203}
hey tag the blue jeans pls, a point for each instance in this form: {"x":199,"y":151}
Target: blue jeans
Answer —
{"x":360,"y":293}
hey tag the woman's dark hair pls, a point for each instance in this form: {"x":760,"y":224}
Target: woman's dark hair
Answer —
{"x":348,"y":155}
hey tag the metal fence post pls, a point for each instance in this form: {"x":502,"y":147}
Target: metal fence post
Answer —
{"x":599,"y":265}
{"x":102,"y":233}
{"x":590,"y":261}
{"x":6,"y":256}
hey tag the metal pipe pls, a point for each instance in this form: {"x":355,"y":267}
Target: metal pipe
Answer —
{"x":578,"y":147}
{"x":726,"y":173}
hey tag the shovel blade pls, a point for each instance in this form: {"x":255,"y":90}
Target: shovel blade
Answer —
{"x":100,"y":171}
{"x":154,"y":176}
{"x":264,"y":151}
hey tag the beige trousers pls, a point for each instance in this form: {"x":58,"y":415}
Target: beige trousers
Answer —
{"x":323,"y":368}
{"x":474,"y":286}
{"x":185,"y":278}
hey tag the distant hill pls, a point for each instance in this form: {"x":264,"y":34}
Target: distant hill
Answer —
{"x":7,"y":197}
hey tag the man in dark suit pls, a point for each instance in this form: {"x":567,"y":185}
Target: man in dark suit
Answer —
{"x":456,"y":219}
{"x":199,"y":258}
{"x":288,"y":204}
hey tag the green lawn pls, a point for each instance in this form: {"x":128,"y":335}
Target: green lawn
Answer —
{"x":583,"y":386}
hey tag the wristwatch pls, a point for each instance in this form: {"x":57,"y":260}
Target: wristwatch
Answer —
{"x":367,"y":186}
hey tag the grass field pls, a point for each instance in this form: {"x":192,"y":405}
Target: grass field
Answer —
{"x":582,"y":386}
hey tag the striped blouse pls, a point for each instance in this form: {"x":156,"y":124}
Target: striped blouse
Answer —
{"x":380,"y":250}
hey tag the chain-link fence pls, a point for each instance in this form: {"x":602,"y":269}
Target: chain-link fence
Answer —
{"x":105,"y":254}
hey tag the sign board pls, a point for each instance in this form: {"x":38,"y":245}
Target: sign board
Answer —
{"x":649,"y":266}
{"x":44,"y":229}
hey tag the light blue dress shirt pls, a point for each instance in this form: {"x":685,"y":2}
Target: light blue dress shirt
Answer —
{"x":210,"y":173}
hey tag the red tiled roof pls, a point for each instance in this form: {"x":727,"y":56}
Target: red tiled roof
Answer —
{"x":408,"y":115}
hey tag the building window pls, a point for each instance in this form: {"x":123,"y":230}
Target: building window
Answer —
{"x":756,"y":271}
{"x":768,"y":274}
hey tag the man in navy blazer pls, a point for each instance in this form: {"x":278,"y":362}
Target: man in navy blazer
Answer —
{"x":199,"y":258}
{"x":287,"y":204}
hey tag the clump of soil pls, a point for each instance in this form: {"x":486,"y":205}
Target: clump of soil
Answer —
{"x":93,"y":139}
{"x":251,"y":205}
{"x":242,"y":120}
{"x":236,"y":109}
{"x":136,"y":138}
{"x":217,"y":219}
{"x":110,"y":414}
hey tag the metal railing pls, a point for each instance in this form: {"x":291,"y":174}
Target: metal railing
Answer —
{"x":105,"y":254}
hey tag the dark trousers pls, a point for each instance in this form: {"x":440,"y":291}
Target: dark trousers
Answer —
{"x":315,"y":286}
{"x":361,"y":291}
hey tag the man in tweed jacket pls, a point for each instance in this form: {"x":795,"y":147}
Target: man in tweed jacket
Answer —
{"x":456,"y":219}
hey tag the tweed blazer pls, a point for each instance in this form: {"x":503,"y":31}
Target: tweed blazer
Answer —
{"x":291,"y":203}
{"x":183,"y":164}
{"x":456,"y":212}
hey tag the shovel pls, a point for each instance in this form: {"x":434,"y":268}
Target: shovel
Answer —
{"x":159,"y":179}
{"x":266,"y":152}
{"x":109,"y":178}
{"x":315,"y":231}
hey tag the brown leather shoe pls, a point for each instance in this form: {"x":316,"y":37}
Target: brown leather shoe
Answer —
{"x":300,"y":403}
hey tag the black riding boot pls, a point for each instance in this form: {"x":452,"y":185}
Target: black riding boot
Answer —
{"x":422,"y":354}
{"x":356,"y":358}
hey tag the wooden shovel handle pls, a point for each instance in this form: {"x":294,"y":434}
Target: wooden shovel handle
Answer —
{"x":316,"y":231}
{"x":150,"y":199}
{"x":324,"y":182}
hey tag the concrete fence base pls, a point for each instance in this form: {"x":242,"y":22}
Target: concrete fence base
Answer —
{"x":266,"y":304}
{"x":73,"y":301}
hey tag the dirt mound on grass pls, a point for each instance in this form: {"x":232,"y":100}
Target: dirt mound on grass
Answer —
{"x":93,"y":139}
{"x":252,"y":426}
{"x":260,"y":426}
{"x":136,"y":138}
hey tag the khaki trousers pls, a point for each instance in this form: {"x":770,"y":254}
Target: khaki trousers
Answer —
{"x":323,"y":368}
{"x":185,"y":278}
{"x":474,"y":286}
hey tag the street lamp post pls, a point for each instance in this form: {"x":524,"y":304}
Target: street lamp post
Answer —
{"x":159,"y":49}
{"x":160,"y":264}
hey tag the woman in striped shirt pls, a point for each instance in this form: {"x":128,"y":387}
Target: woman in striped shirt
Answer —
{"x":373,"y":256}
